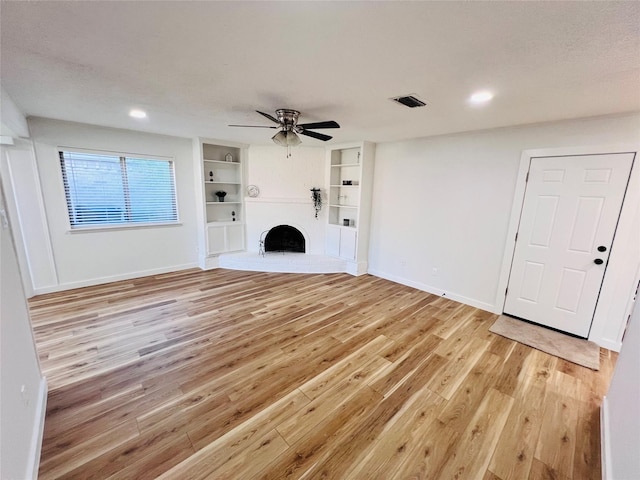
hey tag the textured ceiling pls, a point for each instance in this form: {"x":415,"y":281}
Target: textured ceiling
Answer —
{"x":196,"y":67}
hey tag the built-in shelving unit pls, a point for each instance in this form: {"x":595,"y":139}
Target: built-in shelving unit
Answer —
{"x":344,"y":188}
{"x":350,"y":178}
{"x":221,"y":170}
{"x":220,"y":175}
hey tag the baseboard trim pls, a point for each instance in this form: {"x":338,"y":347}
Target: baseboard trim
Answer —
{"x":605,"y":447}
{"x":210,"y":263}
{"x":38,"y":432}
{"x":608,"y":344}
{"x":356,"y":268}
{"x":114,"y":278}
{"x":435,"y":291}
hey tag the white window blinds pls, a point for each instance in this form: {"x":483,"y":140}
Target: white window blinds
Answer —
{"x":104,"y":190}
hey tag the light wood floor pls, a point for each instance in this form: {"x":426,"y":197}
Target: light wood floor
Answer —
{"x":240,"y":375}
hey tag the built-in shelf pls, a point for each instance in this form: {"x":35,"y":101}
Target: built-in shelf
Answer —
{"x":341,"y":165}
{"x":350,"y":178}
{"x":284,"y":200}
{"x":224,"y":221}
{"x":221,"y":169}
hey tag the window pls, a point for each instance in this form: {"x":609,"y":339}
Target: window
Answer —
{"x":103,"y":189}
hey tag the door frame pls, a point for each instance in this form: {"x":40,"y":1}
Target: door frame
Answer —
{"x":623,"y":270}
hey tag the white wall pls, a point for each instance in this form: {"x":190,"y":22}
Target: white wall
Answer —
{"x":13,"y":123}
{"x":23,"y":390}
{"x":91,"y":257}
{"x":285,"y":193}
{"x":444,"y":202}
{"x":621,"y":422}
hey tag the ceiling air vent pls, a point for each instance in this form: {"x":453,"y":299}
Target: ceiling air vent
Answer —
{"x":410,"y":101}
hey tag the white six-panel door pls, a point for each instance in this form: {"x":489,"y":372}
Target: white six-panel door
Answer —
{"x":568,"y":220}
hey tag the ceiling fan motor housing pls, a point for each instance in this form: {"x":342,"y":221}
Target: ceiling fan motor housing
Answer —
{"x":287,"y":117}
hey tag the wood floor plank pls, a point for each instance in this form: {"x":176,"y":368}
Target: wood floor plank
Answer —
{"x":426,"y":462}
{"x":207,"y":461}
{"x":59,"y":440}
{"x":513,"y":369}
{"x":399,"y":440}
{"x":149,"y":450}
{"x":542,"y":471}
{"x":324,"y":406}
{"x":557,"y":441}
{"x":459,"y":410}
{"x":345,"y":453}
{"x":515,"y":450}
{"x":226,"y":374}
{"x":315,"y":446}
{"x":586,"y":462}
{"x":159,"y":460}
{"x":478,"y":441}
{"x":361,"y":365}
{"x":252,"y":459}
{"x":392,"y":376}
{"x":447,"y":381}
{"x":56,"y":465}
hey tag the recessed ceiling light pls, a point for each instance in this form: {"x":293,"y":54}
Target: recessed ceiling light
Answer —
{"x":135,"y":113}
{"x":481,"y":97}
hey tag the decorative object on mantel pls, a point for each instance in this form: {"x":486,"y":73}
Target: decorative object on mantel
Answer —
{"x":211,"y":176}
{"x":221,"y":194}
{"x":228,"y":157}
{"x":316,"y":196}
{"x":253,"y":191}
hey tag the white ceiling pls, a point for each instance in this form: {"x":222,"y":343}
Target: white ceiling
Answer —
{"x":196,"y":67}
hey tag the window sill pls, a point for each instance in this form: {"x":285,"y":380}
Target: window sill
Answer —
{"x":109,"y":228}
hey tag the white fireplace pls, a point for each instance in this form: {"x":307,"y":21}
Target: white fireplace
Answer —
{"x":263,"y":214}
{"x":284,"y":185}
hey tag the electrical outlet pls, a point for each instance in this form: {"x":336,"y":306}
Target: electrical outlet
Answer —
{"x":3,"y":218}
{"x":24,"y":395}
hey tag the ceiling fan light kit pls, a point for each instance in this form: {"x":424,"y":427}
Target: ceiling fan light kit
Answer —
{"x":287,"y":121}
{"x":286,"y":138}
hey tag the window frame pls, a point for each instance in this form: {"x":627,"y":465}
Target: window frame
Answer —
{"x":73,"y":229}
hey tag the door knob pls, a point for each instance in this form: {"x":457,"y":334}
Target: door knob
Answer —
{"x":602,"y":248}
{"x":598,"y":261}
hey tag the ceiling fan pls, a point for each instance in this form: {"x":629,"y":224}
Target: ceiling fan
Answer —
{"x":287,"y":121}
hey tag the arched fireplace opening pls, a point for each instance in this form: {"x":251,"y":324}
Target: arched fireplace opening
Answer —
{"x":284,"y":238}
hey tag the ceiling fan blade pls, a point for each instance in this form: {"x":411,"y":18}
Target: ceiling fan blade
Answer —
{"x":273,"y":119}
{"x":252,"y":126}
{"x":319,"y":136}
{"x":329,"y":124}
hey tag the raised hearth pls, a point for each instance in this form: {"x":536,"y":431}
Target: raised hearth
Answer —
{"x":282,"y":262}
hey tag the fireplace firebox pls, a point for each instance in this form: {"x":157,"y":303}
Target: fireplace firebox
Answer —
{"x":284,"y":238}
